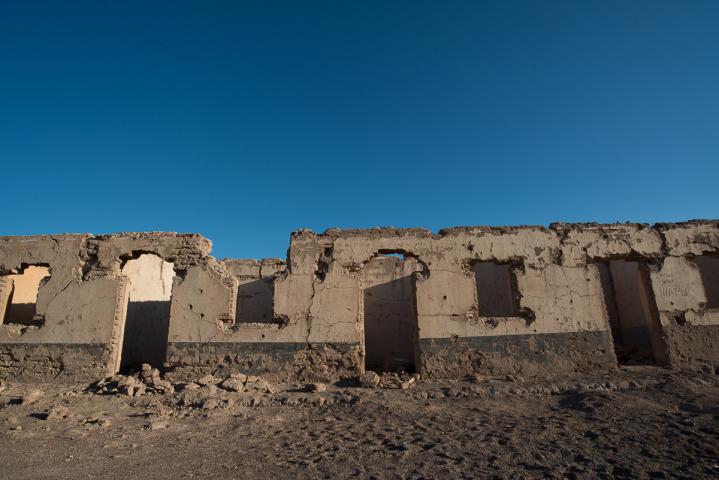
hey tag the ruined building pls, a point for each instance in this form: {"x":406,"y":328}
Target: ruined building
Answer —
{"x":529,"y":300}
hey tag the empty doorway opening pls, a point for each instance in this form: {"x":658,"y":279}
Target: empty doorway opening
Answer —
{"x":709,"y":271}
{"x":390,"y":313}
{"x":496,"y":289}
{"x":147,"y":323}
{"x":636,"y":336}
{"x":19,"y":295}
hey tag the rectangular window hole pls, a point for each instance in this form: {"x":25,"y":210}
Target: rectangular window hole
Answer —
{"x":497,"y":293}
{"x":255,"y":303}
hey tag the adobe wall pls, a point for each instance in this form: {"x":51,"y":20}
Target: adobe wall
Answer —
{"x":686,"y":295}
{"x":81,"y":308}
{"x":529,"y":300}
{"x":75,"y":317}
{"x":559,"y":322}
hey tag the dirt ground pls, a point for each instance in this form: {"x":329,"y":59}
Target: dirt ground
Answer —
{"x":639,"y":422}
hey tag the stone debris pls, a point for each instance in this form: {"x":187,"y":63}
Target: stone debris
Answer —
{"x":57,"y":412}
{"x":238,"y":382}
{"x":315,"y":387}
{"x":207,"y":380}
{"x":407,"y":384}
{"x":31,"y":397}
{"x":100,"y":422}
{"x":210,"y":403}
{"x":144,"y":382}
{"x":156,"y":425}
{"x":369,"y":379}
{"x":402,"y":380}
{"x":233,"y":385}
{"x":210,"y":392}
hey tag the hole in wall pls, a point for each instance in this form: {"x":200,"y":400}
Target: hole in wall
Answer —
{"x":20,"y":295}
{"x":323,"y":263}
{"x":399,"y":256}
{"x":255,"y":302}
{"x":147,"y":323}
{"x":709,"y":271}
{"x":497,"y":292}
{"x":625,"y":287}
{"x":390,"y":312}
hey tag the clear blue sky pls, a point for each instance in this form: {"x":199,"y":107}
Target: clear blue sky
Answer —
{"x":246,"y":120}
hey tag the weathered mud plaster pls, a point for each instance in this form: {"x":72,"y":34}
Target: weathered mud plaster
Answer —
{"x":690,"y":327}
{"x":304,"y":339}
{"x":76,"y":318}
{"x":526,"y":299}
{"x":587,"y":242}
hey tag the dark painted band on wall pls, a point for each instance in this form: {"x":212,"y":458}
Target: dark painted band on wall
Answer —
{"x":535,"y":354}
{"x":53,"y":361}
{"x":692,"y":346}
{"x":291,"y":361}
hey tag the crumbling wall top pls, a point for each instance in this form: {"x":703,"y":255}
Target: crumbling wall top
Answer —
{"x":104,"y":254}
{"x":695,"y":237}
{"x":246,"y":268}
{"x":476,"y":230}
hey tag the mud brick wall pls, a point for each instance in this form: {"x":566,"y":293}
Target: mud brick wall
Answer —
{"x":529,"y":299}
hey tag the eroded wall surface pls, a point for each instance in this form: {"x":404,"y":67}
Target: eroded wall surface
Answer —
{"x":73,"y":319}
{"x":529,"y":300}
{"x":81,"y":308}
{"x":684,"y":293}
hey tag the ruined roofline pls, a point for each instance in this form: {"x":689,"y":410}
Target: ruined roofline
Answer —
{"x":688,"y":223}
{"x":56,"y":236}
{"x":597,"y":226}
{"x":105,"y":236}
{"x":381,"y":231}
{"x":450,"y":231}
{"x":150,"y":234}
{"x":203,"y":245}
{"x":389,"y":231}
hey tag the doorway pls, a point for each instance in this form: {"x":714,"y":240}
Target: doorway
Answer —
{"x":633,"y":324}
{"x":390,"y":313}
{"x":148,"y":312}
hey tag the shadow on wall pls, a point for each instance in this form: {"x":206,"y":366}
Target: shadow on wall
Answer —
{"x":626,"y":296}
{"x":146,"y":333}
{"x":255,"y":302}
{"x":390,"y":323}
{"x":147,"y":323}
{"x":495,"y":289}
{"x":21,"y":291}
{"x":709,"y":271}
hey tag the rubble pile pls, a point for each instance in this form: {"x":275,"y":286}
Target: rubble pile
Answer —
{"x":148,"y":381}
{"x":391,"y":380}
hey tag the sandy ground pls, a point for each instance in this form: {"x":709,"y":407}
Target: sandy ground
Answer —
{"x":636,"y":423}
